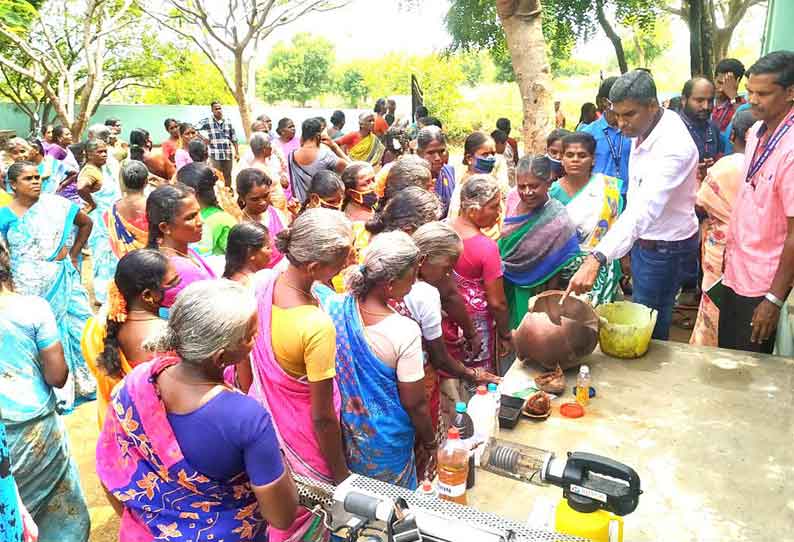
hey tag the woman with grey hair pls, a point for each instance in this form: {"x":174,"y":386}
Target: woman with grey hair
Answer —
{"x":431,"y":144}
{"x":539,"y":240}
{"x":478,"y":275}
{"x":153,"y":443}
{"x":293,"y":366}
{"x":406,"y":211}
{"x":379,"y":359}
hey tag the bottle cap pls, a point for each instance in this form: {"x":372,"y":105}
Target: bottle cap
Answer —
{"x":584,"y":369}
{"x":491,"y":387}
{"x":453,"y":433}
{"x":427,"y":486}
{"x":481,"y":390}
{"x":572,"y":410}
{"x":460,"y":407}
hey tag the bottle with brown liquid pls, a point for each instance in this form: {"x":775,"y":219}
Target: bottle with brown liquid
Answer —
{"x":453,"y":468}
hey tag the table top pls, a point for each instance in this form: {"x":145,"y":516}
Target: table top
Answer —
{"x":709,"y":431}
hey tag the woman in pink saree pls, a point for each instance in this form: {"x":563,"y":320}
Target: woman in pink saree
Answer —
{"x":293,"y":363}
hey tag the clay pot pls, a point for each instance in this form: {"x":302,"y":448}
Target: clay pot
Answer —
{"x":551,"y":382}
{"x":552,"y":334}
{"x":538,"y":404}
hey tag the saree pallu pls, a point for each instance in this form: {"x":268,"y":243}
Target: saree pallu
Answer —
{"x":191,"y":269}
{"x":124,"y":236}
{"x":139,"y":461}
{"x":10,"y":514}
{"x":93,"y":344}
{"x":535,"y":247}
{"x":35,"y":241}
{"x":68,"y":189}
{"x":288,"y":400}
{"x":445,"y":187}
{"x":377,"y":432}
{"x":103,"y":259}
{"x":716,"y":195}
{"x":47,"y":479}
{"x":52,"y":172}
{"x":473,"y":293}
{"x":369,"y":149}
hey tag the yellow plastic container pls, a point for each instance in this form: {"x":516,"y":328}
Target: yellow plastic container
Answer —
{"x":626,"y":329}
{"x":600,"y":526}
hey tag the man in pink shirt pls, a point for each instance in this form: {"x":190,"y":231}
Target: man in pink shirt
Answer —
{"x":759,"y":256}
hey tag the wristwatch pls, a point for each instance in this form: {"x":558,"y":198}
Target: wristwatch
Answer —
{"x":775,"y":300}
{"x":602,"y":260}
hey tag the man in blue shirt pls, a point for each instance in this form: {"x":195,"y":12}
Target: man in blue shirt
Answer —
{"x":697,"y":100}
{"x":612,"y":147}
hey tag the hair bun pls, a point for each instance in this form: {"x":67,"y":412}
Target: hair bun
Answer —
{"x":282,"y":240}
{"x":376,"y":224}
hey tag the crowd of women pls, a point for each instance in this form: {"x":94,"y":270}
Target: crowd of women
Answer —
{"x":319,"y":315}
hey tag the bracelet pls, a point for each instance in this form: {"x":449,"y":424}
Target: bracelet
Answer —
{"x":775,"y":300}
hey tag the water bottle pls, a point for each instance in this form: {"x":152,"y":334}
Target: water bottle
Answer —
{"x":465,"y":426}
{"x":583,"y":386}
{"x":481,"y":412}
{"x":496,"y":397}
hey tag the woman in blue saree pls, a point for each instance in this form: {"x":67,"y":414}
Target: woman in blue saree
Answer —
{"x":100,"y":189}
{"x":379,"y":364}
{"x":31,"y":365}
{"x":53,"y":172}
{"x":39,"y":230}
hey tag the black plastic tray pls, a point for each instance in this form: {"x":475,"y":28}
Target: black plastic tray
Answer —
{"x":510,"y":411}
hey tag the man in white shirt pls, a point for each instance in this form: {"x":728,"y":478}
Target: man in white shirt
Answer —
{"x":659,"y":226}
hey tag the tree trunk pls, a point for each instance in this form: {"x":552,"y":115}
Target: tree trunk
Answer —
{"x":617,"y":43}
{"x":240,"y":92}
{"x":533,"y":75}
{"x":701,"y":37}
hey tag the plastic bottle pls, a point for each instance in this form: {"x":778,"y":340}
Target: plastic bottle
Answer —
{"x":583,"y":386}
{"x":453,"y":468}
{"x":465,"y":426}
{"x":481,"y":412}
{"x":426,"y":490}
{"x":496,"y":397}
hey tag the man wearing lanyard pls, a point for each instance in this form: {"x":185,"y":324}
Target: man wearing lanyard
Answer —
{"x":659,"y":225}
{"x":612,"y":148}
{"x":697,"y":99}
{"x":759,"y":255}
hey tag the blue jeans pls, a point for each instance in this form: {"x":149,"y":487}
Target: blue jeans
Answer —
{"x":657,"y":275}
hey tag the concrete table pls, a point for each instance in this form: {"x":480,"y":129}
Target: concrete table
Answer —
{"x":709,"y":431}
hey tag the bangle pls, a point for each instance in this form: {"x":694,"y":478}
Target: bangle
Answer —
{"x":775,"y":300}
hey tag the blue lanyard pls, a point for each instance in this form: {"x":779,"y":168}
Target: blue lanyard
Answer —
{"x":758,"y":161}
{"x":708,"y":142}
{"x":615,"y":153}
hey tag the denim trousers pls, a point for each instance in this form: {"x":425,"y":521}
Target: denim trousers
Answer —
{"x":657,"y":276}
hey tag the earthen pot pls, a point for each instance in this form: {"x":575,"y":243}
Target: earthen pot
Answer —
{"x":552,"y":334}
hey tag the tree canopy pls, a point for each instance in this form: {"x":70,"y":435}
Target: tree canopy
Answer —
{"x":300,"y":70}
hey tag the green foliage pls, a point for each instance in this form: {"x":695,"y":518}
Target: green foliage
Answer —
{"x":351,"y":86}
{"x":17,"y":15}
{"x":472,"y":65}
{"x":300,"y":71}
{"x":193,"y":81}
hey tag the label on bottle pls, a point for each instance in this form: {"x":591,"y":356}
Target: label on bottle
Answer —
{"x":587,"y":492}
{"x":449,"y":490}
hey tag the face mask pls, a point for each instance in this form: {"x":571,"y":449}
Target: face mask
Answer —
{"x":556,"y":168}
{"x":484,"y":164}
{"x":367,"y":199}
{"x":326,"y":205}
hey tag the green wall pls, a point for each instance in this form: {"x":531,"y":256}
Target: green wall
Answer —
{"x":151,"y":117}
{"x":778,"y":34}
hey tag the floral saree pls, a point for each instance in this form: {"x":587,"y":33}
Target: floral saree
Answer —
{"x":140,"y":463}
{"x":104,"y":260}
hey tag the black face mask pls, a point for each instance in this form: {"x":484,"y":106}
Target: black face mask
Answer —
{"x":556,"y":168}
{"x":367,"y":199}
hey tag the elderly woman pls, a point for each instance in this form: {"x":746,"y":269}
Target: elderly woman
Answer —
{"x":363,"y":145}
{"x":126,"y":219}
{"x":271,"y":161}
{"x":294,"y":373}
{"x":100,"y":190}
{"x":39,"y":232}
{"x":539,"y":239}
{"x":152,"y":455}
{"x":593,"y":202}
{"x":478,"y":274}
{"x":313,"y":156}
{"x":32,"y":365}
{"x":431,"y":144}
{"x":287,"y":140}
{"x":380,"y":364}
{"x":409,"y":170}
{"x":174,"y":217}
{"x":112,"y":345}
